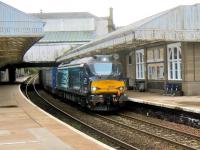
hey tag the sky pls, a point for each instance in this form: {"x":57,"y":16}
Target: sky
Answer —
{"x":124,"y":11}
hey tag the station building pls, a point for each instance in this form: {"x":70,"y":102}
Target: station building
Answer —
{"x":172,"y":61}
{"x":65,"y":31}
{"x":158,"y":51}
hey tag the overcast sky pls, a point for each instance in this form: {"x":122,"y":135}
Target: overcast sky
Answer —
{"x":125,"y":11}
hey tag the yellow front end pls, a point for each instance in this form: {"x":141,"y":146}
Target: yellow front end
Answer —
{"x":107,"y":95}
{"x":108,"y":87}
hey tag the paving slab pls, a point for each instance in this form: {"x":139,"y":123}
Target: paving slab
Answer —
{"x":8,"y":100}
{"x":24,"y":126}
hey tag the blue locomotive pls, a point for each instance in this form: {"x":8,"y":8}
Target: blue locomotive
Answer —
{"x":93,"y":82}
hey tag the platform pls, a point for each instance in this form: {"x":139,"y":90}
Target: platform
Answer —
{"x":185,"y":103}
{"x":23,"y":126}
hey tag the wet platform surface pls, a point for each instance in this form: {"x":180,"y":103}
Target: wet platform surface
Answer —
{"x":24,"y":127}
{"x":185,"y":103}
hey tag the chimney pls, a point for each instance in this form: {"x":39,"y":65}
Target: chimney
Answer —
{"x":111,"y":13}
{"x":111,"y":26}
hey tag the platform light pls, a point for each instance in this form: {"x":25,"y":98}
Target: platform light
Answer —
{"x":104,"y":59}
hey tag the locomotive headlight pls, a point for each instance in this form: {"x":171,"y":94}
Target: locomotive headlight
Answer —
{"x":121,"y":88}
{"x":93,"y":88}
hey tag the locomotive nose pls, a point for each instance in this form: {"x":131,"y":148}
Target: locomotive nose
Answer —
{"x":107,"y":86}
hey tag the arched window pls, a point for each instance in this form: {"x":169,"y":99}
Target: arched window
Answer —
{"x":174,"y":61}
{"x":140,"y":64}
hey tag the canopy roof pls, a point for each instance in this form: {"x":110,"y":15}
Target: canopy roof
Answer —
{"x":67,"y":36}
{"x":64,"y":15}
{"x":181,"y":23}
{"x":18,"y":32}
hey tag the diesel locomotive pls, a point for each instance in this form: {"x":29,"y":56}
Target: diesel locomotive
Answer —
{"x":93,"y":82}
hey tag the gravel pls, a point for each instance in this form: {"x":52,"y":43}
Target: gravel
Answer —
{"x":176,"y":126}
{"x":132,"y":137}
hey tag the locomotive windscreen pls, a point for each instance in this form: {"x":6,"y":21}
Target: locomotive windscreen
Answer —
{"x":105,"y":69}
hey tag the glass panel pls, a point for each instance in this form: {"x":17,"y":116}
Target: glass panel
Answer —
{"x":156,"y":54}
{"x":141,"y":59}
{"x":156,"y":71}
{"x":170,"y":54}
{"x":161,"y":53}
{"x":116,"y":69}
{"x":138,"y":70}
{"x":180,"y":66}
{"x":137,"y":58}
{"x":174,"y":59}
{"x":175,"y":53}
{"x":153,"y":72}
{"x":102,"y":68}
{"x":161,"y":71}
{"x":176,"y":74}
{"x":149,"y":55}
{"x":171,"y":74}
{"x":176,"y":66}
{"x":141,"y":71}
{"x":149,"y":72}
{"x":129,"y":60}
{"x":171,"y":66}
{"x":180,"y":54}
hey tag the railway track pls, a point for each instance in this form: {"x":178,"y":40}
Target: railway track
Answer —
{"x":185,"y":140}
{"x":121,"y":144}
{"x":131,"y":125}
{"x":169,"y":133}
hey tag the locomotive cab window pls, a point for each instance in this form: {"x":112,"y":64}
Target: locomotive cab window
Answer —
{"x":105,"y":68}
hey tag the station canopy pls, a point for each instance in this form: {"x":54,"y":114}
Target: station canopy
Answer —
{"x":181,"y":23}
{"x":18,"y":32}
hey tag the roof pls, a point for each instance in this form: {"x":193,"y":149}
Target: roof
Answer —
{"x":181,"y":23}
{"x":17,"y":23}
{"x":9,"y":13}
{"x":67,"y":36}
{"x":18,"y":32}
{"x":64,"y":15}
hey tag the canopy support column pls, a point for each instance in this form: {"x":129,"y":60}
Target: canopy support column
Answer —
{"x":12,"y":74}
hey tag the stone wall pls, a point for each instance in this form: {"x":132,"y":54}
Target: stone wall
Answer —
{"x":191,"y":68}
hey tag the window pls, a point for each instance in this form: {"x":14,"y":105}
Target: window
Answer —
{"x":140,"y":64}
{"x":155,"y":60}
{"x":156,"y":71}
{"x":105,"y":68}
{"x":174,"y":61}
{"x":155,"y":54}
{"x":130,"y":59}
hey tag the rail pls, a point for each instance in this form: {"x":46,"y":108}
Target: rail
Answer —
{"x":109,"y":137}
